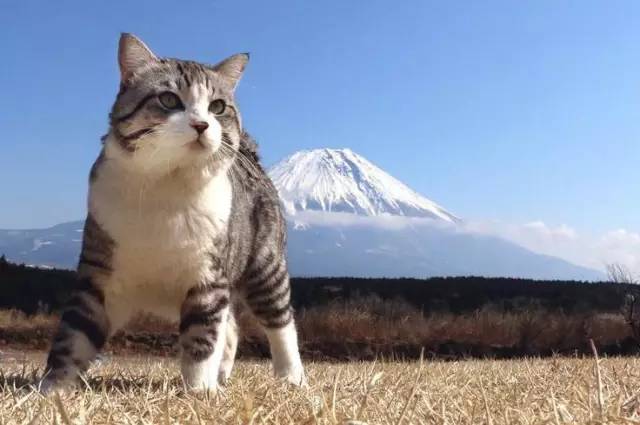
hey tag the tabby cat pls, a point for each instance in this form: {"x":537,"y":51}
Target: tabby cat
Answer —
{"x":182,"y":222}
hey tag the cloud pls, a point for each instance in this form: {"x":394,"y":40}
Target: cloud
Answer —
{"x":594,"y":251}
{"x":385,"y":221}
{"x":622,"y":246}
{"x":562,"y":232}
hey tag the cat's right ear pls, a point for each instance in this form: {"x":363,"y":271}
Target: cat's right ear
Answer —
{"x":133,"y":54}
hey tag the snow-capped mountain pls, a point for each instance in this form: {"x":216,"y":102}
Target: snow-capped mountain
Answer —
{"x":347,"y":217}
{"x":340,"y":180}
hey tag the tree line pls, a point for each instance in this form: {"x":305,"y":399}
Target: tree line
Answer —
{"x":34,"y":290}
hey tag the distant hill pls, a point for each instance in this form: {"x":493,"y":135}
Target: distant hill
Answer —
{"x":347,"y":217}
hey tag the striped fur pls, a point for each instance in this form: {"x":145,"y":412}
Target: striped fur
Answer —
{"x":83,"y":331}
{"x":268,"y":292}
{"x":203,"y":318}
{"x":183,"y":223}
{"x":97,"y":249}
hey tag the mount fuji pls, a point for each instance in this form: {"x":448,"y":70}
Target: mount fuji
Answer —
{"x":348,"y":217}
{"x":338,"y":180}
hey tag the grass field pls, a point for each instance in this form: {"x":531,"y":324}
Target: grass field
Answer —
{"x":143,"y":390}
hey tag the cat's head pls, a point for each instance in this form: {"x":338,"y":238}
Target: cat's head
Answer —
{"x":171,"y":114}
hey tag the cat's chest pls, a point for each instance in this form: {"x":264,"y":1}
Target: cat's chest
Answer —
{"x":170,"y":241}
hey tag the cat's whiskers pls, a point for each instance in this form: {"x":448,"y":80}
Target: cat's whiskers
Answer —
{"x":243,"y":160}
{"x":138,"y":146}
{"x":235,"y":171}
{"x":141,"y":197}
{"x":236,"y":180}
{"x":253,"y":170}
{"x":242,"y":166}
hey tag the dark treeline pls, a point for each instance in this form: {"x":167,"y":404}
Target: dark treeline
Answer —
{"x":465,"y":294}
{"x":32,"y":289}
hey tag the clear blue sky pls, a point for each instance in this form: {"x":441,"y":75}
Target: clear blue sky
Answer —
{"x":514,"y":111}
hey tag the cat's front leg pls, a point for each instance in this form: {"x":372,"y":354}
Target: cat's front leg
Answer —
{"x":203,"y":322}
{"x":82,"y":332}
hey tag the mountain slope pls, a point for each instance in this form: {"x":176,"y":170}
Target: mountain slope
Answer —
{"x":348,"y":217}
{"x":417,"y":251}
{"x":339,"y":180}
{"x":57,"y":246}
{"x":358,"y":250}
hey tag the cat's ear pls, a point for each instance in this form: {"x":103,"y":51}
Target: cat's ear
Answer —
{"x":232,"y":67}
{"x":132,"y":55}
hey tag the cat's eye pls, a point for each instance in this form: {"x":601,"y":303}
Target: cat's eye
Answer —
{"x":217,"y":106}
{"x":170,"y":100}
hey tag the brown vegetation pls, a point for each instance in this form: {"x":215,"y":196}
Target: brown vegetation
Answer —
{"x":391,"y":389}
{"x":369,"y":327}
{"x":388,"y":324}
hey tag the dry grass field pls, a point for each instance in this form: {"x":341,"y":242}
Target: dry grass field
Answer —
{"x":144,"y":390}
{"x":367,"y":328}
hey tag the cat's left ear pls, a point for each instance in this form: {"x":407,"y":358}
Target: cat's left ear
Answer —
{"x":232,"y":67}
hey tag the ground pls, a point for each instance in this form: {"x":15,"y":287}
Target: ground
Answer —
{"x":147,"y":390}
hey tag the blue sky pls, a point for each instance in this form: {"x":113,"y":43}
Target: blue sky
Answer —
{"x":513,"y":111}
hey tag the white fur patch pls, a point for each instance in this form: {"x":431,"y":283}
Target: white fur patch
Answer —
{"x":285,"y":354}
{"x":164,"y":233}
{"x":230,"y":347}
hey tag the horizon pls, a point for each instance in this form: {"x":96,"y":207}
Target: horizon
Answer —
{"x":522,"y":119}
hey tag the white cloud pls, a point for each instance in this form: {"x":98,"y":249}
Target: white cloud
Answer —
{"x":595,"y":251}
{"x":386,"y":221}
{"x":621,"y":246}
{"x":562,"y":232}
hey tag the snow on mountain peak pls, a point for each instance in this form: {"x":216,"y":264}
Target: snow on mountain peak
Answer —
{"x":340,"y":180}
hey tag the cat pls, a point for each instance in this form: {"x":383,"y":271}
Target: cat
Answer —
{"x":182,"y":222}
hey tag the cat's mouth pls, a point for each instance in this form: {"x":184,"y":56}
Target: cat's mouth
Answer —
{"x":198,"y":144}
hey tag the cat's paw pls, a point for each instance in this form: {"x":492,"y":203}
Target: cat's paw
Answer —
{"x":225,"y":371}
{"x":204,"y":390}
{"x":200,"y":381}
{"x":294,"y":376}
{"x":223,"y":377}
{"x":299,"y":380}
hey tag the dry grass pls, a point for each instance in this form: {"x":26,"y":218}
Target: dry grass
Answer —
{"x":386,"y":324}
{"x":364,"y":328}
{"x":148,"y":391}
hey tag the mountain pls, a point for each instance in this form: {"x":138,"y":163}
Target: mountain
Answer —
{"x":347,"y":217}
{"x":57,"y":246}
{"x":417,"y":250}
{"x":333,"y":248}
{"x":338,"y":180}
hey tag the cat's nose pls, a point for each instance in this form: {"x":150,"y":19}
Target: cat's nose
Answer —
{"x":200,"y":126}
